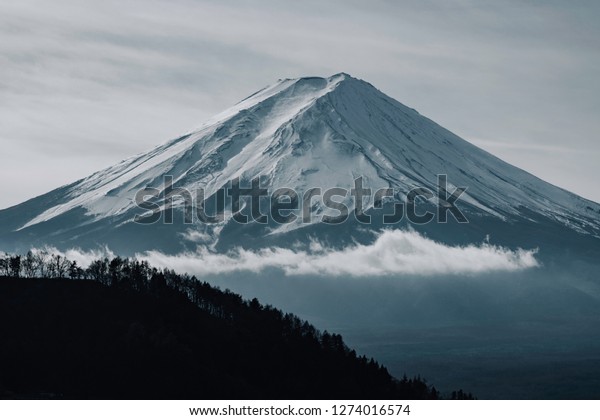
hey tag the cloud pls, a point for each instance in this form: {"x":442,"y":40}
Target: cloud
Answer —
{"x":394,"y":252}
{"x":192,"y":235}
{"x":83,"y":258}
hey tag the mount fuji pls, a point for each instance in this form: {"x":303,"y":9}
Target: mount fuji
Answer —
{"x":303,"y":133}
{"x":527,"y":332}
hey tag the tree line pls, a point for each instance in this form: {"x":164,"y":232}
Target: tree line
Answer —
{"x":40,"y":264}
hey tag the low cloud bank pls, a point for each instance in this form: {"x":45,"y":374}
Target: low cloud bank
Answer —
{"x":393,"y":252}
{"x":83,"y":258}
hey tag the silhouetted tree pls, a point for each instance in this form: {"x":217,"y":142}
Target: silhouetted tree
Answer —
{"x":115,"y":270}
{"x":57,"y":266}
{"x":461,"y":395}
{"x":30,"y":265}
{"x":15,"y":266}
{"x":74,"y":271}
{"x":98,"y":270}
{"x":42,"y":261}
{"x":5,"y":265}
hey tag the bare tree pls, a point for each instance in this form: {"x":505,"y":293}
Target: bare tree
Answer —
{"x":75,"y":272}
{"x":61,"y":265}
{"x":15,"y":266}
{"x":5,"y":265}
{"x":42,"y":261}
{"x":51,"y":267}
{"x":98,"y":270}
{"x":30,"y":265}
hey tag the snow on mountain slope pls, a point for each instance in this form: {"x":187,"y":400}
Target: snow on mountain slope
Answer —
{"x":324,"y":132}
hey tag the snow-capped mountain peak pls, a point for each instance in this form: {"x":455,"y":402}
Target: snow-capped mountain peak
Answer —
{"x":316,"y":132}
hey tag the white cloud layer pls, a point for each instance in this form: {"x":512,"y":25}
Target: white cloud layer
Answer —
{"x":394,"y":252}
{"x":83,"y":258}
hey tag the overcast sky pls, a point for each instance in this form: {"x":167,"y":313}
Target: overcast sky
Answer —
{"x":85,"y":84}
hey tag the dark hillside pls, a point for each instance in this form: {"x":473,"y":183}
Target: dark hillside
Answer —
{"x":171,"y":337}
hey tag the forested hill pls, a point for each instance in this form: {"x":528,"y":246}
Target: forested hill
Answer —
{"x":140,"y":333}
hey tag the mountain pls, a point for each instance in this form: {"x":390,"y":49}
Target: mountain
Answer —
{"x":298,"y":134}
